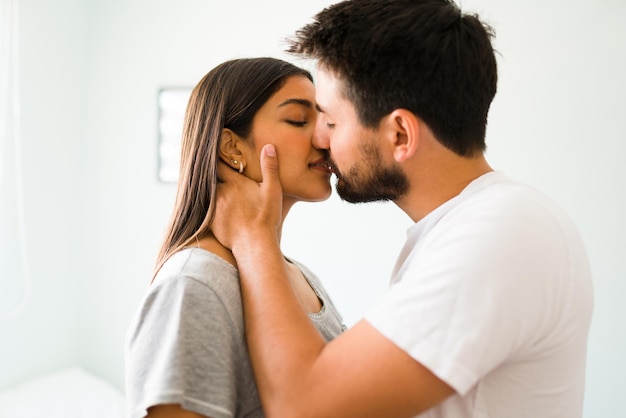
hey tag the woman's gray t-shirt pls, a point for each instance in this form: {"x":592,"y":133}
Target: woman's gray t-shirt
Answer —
{"x":186,"y":343}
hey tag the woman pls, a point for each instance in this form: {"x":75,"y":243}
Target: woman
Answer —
{"x":186,"y":352}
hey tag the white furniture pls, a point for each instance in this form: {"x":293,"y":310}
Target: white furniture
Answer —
{"x":68,"y":393}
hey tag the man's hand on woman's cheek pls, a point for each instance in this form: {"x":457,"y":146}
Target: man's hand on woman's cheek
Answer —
{"x":246,"y":209}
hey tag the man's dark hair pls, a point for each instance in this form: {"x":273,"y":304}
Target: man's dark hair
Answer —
{"x":425,"y":56}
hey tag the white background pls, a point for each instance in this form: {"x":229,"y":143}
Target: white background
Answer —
{"x":95,"y":213}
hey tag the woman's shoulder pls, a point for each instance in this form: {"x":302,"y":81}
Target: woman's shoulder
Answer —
{"x":195,"y":280}
{"x":313,"y":280}
{"x":328,"y":320}
{"x":196,"y":267}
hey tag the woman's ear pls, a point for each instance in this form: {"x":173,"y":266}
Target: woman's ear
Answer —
{"x":404,"y":133}
{"x":230,"y":152}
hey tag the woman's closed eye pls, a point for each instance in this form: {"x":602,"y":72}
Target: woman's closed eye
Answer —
{"x":299,"y":123}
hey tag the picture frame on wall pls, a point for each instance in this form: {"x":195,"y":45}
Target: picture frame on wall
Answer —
{"x":172,"y":103}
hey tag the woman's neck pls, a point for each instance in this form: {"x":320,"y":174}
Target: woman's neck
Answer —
{"x":211,"y":244}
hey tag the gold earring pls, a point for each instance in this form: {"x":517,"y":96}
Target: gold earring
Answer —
{"x":235,"y":162}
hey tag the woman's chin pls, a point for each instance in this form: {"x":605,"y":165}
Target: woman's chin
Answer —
{"x":313,"y":197}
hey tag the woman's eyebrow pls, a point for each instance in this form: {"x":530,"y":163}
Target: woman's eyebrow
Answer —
{"x":302,"y":102}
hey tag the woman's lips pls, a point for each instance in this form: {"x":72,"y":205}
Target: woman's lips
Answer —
{"x":324,"y":165}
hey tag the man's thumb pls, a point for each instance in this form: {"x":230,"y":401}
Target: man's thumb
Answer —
{"x":269,"y":165}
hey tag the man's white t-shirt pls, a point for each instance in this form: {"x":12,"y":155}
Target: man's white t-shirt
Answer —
{"x":492,"y":292}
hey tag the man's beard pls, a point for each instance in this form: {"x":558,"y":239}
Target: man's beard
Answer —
{"x":369,"y":181}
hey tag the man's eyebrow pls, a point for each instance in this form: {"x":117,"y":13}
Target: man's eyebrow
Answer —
{"x":302,"y":102}
{"x":318,"y":108}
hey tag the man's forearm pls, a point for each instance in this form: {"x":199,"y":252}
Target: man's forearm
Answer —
{"x":283,"y":342}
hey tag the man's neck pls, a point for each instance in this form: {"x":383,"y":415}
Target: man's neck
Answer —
{"x":434,"y":183}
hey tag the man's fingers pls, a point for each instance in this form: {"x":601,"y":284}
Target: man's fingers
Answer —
{"x":242,"y":203}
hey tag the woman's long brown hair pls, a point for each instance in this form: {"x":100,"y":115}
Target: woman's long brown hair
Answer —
{"x":227,"y":97}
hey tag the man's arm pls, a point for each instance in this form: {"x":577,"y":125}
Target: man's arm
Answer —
{"x":171,"y":411}
{"x":360,"y":373}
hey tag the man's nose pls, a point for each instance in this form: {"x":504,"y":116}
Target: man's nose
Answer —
{"x":320,"y":135}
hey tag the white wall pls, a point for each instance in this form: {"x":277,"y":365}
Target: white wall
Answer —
{"x":43,"y":338}
{"x":95,"y":212}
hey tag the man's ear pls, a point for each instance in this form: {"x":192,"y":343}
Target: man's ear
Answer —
{"x":230,"y":152}
{"x":403,"y":132}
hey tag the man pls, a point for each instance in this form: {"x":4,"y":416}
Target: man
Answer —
{"x":490,"y":303}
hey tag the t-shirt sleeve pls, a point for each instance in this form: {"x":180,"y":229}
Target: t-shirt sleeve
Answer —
{"x":469,"y":299}
{"x":182,"y":348}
